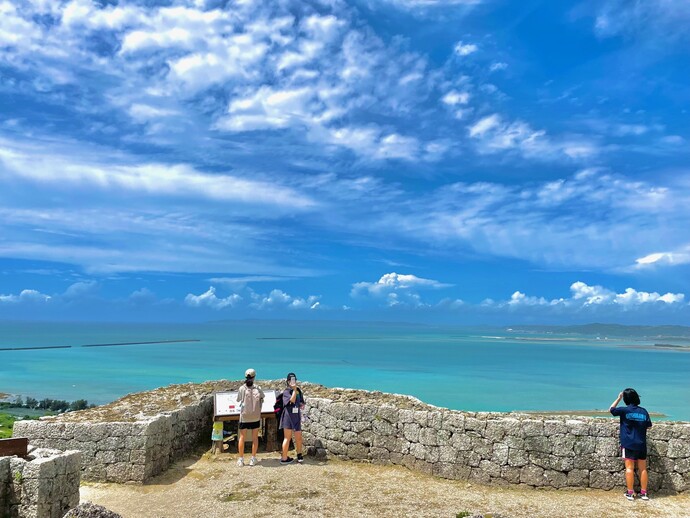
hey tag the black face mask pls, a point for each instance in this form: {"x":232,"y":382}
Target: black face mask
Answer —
{"x":249,"y":383}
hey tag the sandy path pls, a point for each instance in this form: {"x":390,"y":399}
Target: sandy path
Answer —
{"x":215,"y":487}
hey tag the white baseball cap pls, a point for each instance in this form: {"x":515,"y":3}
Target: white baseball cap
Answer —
{"x":250,"y":373}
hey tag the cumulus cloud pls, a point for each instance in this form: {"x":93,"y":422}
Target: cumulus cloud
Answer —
{"x":584,"y":295}
{"x":396,"y":289}
{"x":278,"y":299}
{"x":497,"y":65}
{"x":25,"y":296}
{"x":209,"y":299}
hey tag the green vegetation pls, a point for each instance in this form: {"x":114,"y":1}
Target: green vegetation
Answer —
{"x":54,"y":405}
{"x":6,"y":424}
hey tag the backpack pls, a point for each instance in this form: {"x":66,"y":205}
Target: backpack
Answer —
{"x":278,"y":406}
{"x":251,"y":403}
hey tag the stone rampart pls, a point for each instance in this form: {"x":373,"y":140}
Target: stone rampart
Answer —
{"x":494,"y":448}
{"x":139,"y":436}
{"x":44,"y":485}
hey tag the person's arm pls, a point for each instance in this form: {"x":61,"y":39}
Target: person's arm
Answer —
{"x":293,"y":398}
{"x":239,"y":394}
{"x":615,"y":403}
{"x":649,"y":421}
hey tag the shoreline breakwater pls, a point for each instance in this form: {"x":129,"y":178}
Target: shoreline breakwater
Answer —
{"x":138,"y":436}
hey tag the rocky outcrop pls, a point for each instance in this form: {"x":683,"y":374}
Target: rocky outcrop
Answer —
{"x":89,"y":510}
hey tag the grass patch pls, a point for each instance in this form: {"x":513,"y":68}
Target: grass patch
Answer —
{"x":6,"y":425}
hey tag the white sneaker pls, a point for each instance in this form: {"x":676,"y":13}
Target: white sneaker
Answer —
{"x":252,"y":461}
{"x":240,"y":462}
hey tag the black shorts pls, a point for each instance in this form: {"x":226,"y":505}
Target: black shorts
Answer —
{"x":250,"y":426}
{"x":629,"y":454}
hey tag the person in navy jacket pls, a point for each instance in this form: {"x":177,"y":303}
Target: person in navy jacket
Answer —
{"x":633,"y":437}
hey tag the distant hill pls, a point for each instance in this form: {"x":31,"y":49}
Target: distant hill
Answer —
{"x":618,"y":330}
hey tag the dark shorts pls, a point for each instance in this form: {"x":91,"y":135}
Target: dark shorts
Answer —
{"x":290,"y":421}
{"x":250,"y":426}
{"x":629,"y":454}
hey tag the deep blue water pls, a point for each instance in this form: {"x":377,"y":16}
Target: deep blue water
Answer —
{"x":461,"y":368}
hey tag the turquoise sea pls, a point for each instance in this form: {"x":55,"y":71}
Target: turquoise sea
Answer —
{"x":462,"y":368}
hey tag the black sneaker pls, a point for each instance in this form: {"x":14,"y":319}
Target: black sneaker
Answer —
{"x":644,"y":496}
{"x":300,"y":459}
{"x":286,"y":461}
{"x":630,"y":496}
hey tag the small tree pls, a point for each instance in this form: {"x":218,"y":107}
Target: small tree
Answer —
{"x":79,"y":404}
{"x":18,"y":401}
{"x":31,"y":403}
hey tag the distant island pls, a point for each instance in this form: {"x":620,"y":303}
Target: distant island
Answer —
{"x":681,"y":333}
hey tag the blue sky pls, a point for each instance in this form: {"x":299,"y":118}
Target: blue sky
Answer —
{"x":460,"y":161}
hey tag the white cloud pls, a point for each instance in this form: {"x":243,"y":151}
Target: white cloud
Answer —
{"x":278,"y":299}
{"x":454,"y":97}
{"x":465,"y":49}
{"x":210,"y":300}
{"x":59,"y":169}
{"x":644,"y":19}
{"x":678,"y":257}
{"x":497,"y":65}
{"x":25,"y":296}
{"x":493,"y":135}
{"x":584,"y":295}
{"x":396,"y":289}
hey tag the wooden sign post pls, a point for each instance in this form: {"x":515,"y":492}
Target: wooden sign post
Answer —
{"x":227,"y":408}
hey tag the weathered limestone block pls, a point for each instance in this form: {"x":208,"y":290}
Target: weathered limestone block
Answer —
{"x":533,"y":476}
{"x":607,"y":446}
{"x":551,"y":462}
{"x":389,"y":413}
{"x":578,"y":478}
{"x":460,"y":441}
{"x":678,"y":448}
{"x":357,"y":452}
{"x":510,"y":474}
{"x":562,"y":445}
{"x":428,"y":437}
{"x":585,"y":445}
{"x":495,"y":431}
{"x":453,"y":421}
{"x":490,"y":468}
{"x":517,"y":458}
{"x":483,"y":447}
{"x":411,"y":432}
{"x":379,"y":455}
{"x":500,"y":454}
{"x":577,"y":427}
{"x":451,"y":470}
{"x":474,"y":424}
{"x":421,"y":417}
{"x":554,"y":427}
{"x":600,"y":479}
{"x":538,"y":443}
{"x":532,"y":428}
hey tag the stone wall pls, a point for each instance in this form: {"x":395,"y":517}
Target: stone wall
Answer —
{"x":139,"y":436}
{"x":494,"y":448}
{"x":44,"y":485}
{"x":126,"y":451}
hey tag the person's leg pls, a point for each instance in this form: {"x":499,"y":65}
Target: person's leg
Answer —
{"x":240,"y":442}
{"x":629,"y":474}
{"x":298,"y":442}
{"x":255,"y":441}
{"x":642,"y":471}
{"x":287,"y":437}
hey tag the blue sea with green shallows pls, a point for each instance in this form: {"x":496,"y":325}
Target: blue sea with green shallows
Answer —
{"x":461,"y":368}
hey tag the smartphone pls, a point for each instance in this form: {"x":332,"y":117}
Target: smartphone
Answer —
{"x":293,"y":381}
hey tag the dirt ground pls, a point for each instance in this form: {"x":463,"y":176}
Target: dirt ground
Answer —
{"x":212,"y":487}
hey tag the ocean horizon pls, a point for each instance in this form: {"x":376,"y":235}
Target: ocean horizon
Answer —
{"x":464,"y":368}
